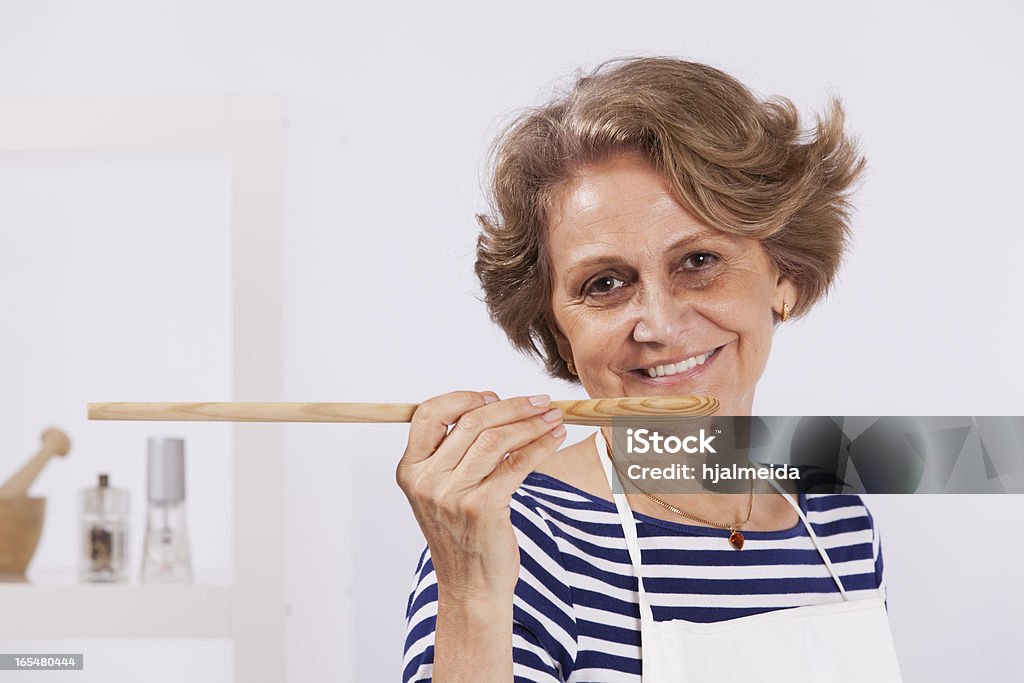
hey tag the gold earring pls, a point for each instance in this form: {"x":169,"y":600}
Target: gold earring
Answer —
{"x":785,"y":312}
{"x":572,"y":366}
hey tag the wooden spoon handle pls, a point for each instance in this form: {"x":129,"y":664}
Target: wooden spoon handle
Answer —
{"x":592,"y":412}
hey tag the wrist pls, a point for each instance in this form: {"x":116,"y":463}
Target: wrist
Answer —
{"x":474,"y":602}
{"x":473,"y":636}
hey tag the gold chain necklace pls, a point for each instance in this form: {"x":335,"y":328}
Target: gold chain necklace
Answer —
{"x":735,"y":537}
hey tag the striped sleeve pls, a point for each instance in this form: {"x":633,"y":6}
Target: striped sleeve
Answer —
{"x":876,"y":552}
{"x":544,"y":634}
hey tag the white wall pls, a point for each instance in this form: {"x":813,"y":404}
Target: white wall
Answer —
{"x":115,"y":285}
{"x":391,"y":109}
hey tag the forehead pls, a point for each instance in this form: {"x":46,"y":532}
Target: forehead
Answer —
{"x":622,"y":204}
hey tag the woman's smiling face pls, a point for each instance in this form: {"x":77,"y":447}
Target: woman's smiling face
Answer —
{"x":640,"y":286}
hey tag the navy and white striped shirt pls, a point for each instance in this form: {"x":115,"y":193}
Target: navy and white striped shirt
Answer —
{"x":576,"y":614}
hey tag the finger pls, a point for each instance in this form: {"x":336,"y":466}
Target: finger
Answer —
{"x":509,"y":474}
{"x":493,"y":444}
{"x":430,"y":421}
{"x":471,"y":424}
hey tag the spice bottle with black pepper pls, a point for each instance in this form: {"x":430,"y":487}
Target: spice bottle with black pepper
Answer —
{"x":104,"y":531}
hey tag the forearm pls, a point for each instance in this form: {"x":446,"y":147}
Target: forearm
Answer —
{"x":472,"y":638}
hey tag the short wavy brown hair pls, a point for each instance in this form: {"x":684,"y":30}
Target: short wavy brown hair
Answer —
{"x":740,"y":164}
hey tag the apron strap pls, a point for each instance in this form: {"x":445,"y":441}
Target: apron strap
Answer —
{"x":814,"y":537}
{"x":628,"y":530}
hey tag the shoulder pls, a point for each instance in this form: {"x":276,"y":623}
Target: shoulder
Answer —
{"x":820,"y":503}
{"x":846,"y":527}
{"x":568,"y":491}
{"x":843,"y":520}
{"x":544,"y":508}
{"x":838,"y":511}
{"x":578,"y":467}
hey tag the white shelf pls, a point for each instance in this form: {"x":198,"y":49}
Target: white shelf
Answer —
{"x":69,"y":610}
{"x":252,"y":609}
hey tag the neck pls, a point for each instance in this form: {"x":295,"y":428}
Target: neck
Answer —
{"x":693,"y":495}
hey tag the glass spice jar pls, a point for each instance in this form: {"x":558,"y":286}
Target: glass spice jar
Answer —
{"x":104,"y":533}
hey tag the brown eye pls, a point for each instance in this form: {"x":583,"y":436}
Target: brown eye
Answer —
{"x":700,"y":260}
{"x":603,"y":284}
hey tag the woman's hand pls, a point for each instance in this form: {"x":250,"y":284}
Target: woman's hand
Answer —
{"x":460,"y":483}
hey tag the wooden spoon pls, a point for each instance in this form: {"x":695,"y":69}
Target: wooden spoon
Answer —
{"x":592,"y":412}
{"x":55,"y":442}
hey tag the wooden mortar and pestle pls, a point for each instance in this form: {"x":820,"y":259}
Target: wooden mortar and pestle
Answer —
{"x":21,"y":516}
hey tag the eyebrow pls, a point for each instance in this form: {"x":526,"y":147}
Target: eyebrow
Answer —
{"x":589,"y":262}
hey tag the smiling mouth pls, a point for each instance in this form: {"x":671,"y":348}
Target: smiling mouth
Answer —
{"x":670,"y":369}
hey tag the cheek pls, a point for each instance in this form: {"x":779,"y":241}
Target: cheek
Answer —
{"x":749,"y":316}
{"x":733,"y":305}
{"x":580,"y":323}
{"x":590,"y":331}
{"x":740,"y":294}
{"x":740,"y":302}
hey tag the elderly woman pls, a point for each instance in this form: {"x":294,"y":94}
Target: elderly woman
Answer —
{"x":651,"y":228}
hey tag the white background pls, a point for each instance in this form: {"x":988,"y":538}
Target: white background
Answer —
{"x":391,"y":108}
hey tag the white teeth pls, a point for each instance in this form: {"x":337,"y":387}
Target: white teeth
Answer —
{"x":682,"y":366}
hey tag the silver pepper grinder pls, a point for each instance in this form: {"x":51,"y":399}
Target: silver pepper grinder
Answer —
{"x":166,"y":557}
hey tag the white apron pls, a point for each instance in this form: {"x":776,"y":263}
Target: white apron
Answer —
{"x":842,"y":642}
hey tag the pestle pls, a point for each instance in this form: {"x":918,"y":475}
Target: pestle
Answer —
{"x":55,"y":442}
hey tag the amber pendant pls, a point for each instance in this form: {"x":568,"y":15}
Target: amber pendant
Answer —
{"x":736,"y":540}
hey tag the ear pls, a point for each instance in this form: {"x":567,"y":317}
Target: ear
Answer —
{"x":564,"y":347}
{"x":786,"y":292}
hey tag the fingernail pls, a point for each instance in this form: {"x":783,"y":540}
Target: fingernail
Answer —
{"x":540,"y":400}
{"x":490,"y":398}
{"x":558,"y":432}
{"x":552,"y":415}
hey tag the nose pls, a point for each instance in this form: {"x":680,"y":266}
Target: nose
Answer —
{"x":661,"y":318}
